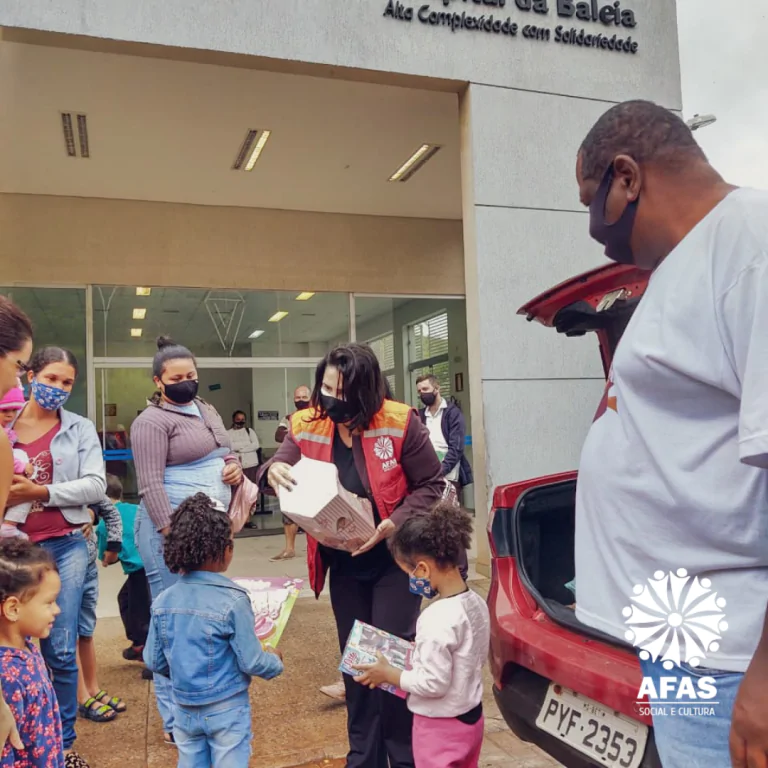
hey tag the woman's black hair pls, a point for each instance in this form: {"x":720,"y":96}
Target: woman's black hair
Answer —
{"x":168,"y":349}
{"x":200,"y":533}
{"x":49,"y":355}
{"x":15,"y":327}
{"x":362,"y":384}
{"x":443,"y":534}
{"x":22,"y":568}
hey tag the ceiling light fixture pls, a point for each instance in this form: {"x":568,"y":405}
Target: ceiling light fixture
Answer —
{"x":139,"y":313}
{"x":278,"y":316}
{"x":143,"y":291}
{"x":256,"y":334}
{"x":257,"y":150}
{"x":250,"y":149}
{"x":415,"y":162}
{"x":135,"y":332}
{"x":305,"y":296}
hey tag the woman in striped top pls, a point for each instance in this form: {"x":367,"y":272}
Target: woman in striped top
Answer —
{"x":180,"y":447}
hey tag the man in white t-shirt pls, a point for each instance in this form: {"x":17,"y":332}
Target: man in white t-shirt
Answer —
{"x":673,"y":471}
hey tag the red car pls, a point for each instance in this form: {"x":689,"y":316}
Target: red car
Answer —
{"x":559,"y":684}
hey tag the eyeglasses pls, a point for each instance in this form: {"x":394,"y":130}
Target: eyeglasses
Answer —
{"x":22,"y":367}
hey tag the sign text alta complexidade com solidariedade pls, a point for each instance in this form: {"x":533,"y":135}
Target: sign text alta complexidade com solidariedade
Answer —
{"x":489,"y":16}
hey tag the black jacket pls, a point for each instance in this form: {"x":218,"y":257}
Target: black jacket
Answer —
{"x":454,"y":432}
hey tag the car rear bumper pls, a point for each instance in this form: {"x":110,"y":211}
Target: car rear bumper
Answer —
{"x":520,"y":700}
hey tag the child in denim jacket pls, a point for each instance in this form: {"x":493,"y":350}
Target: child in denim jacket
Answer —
{"x":202,"y":637}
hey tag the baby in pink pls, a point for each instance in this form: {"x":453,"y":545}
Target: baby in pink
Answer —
{"x":10,"y":406}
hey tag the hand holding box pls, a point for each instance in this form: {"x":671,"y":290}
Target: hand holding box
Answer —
{"x":324,"y":509}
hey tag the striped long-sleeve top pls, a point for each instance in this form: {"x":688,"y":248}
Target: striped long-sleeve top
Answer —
{"x":164,"y":436}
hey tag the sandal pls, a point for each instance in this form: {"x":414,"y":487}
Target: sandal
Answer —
{"x":99,"y":714}
{"x":73,"y":760}
{"x":169,"y":740}
{"x":115,"y":702}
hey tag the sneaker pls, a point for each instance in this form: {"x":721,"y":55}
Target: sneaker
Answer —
{"x":132,"y":653}
{"x":335,"y":691}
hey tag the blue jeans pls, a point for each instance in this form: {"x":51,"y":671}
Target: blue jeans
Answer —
{"x":149,"y":542}
{"x":217,"y":735}
{"x":59,"y":649}
{"x":688,"y":738}
{"x":86,"y":625}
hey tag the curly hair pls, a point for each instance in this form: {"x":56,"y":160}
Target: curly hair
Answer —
{"x":200,"y":533}
{"x":22,"y":568}
{"x":644,"y":131}
{"x":443,"y":534}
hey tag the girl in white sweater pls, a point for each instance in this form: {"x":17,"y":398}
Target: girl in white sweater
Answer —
{"x":445,"y":686}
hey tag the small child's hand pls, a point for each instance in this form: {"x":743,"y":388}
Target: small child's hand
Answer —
{"x":110,"y":558}
{"x":274,"y":651}
{"x":375,"y":674}
{"x":29,"y":470}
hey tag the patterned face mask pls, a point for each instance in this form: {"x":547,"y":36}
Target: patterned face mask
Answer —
{"x":420,"y":586}
{"x":48,"y":397}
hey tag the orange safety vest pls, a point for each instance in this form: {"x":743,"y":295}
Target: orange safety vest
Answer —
{"x":382,"y":448}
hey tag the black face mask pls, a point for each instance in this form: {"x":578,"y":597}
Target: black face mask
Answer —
{"x":238,"y":424}
{"x":428,"y":398}
{"x":182,"y":393}
{"x":300,"y":405}
{"x":615,"y":237}
{"x":339,"y":411}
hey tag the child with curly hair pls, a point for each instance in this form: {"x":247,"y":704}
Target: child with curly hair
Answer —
{"x":445,"y":686}
{"x":29,"y":586}
{"x":202,"y":637}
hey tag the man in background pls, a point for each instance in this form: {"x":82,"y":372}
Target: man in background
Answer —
{"x":301,"y":396}
{"x":447,"y":431}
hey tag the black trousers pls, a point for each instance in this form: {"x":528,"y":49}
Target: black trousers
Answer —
{"x":379,"y":724}
{"x":134,"y":602}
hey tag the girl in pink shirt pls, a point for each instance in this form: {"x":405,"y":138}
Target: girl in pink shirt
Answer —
{"x":445,"y":685}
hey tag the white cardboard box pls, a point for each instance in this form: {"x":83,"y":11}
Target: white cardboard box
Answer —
{"x":325,"y":510}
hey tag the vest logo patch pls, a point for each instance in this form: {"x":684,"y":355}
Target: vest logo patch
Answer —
{"x":388,"y":465}
{"x":384,"y":449}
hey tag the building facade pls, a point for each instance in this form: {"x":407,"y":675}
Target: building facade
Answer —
{"x":125,"y":154}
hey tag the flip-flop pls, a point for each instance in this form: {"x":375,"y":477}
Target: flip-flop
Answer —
{"x":100,"y":714}
{"x":282,"y":556}
{"x":114,"y":702}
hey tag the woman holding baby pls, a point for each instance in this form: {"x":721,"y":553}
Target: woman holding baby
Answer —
{"x":383,"y":453}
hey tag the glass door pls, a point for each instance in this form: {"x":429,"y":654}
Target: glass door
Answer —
{"x":263,"y":392}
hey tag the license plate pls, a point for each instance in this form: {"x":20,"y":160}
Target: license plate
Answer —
{"x":608,"y":737}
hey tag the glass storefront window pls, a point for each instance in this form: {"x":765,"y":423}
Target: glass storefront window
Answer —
{"x":58,"y":317}
{"x":218,"y":323}
{"x":413,"y":336}
{"x":264,"y":394}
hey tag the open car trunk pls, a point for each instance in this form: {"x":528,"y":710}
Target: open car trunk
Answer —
{"x":545,"y":524}
{"x":544,"y":513}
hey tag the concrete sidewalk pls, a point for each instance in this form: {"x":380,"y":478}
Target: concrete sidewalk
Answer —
{"x":293,"y":724}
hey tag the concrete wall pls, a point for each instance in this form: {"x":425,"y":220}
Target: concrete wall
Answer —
{"x":140,"y":243}
{"x":357,"y":34}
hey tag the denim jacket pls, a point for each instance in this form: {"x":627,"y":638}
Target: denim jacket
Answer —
{"x":202,"y":636}
{"x":78,"y":469}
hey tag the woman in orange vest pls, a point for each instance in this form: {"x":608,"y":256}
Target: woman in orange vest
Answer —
{"x":382,"y":452}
